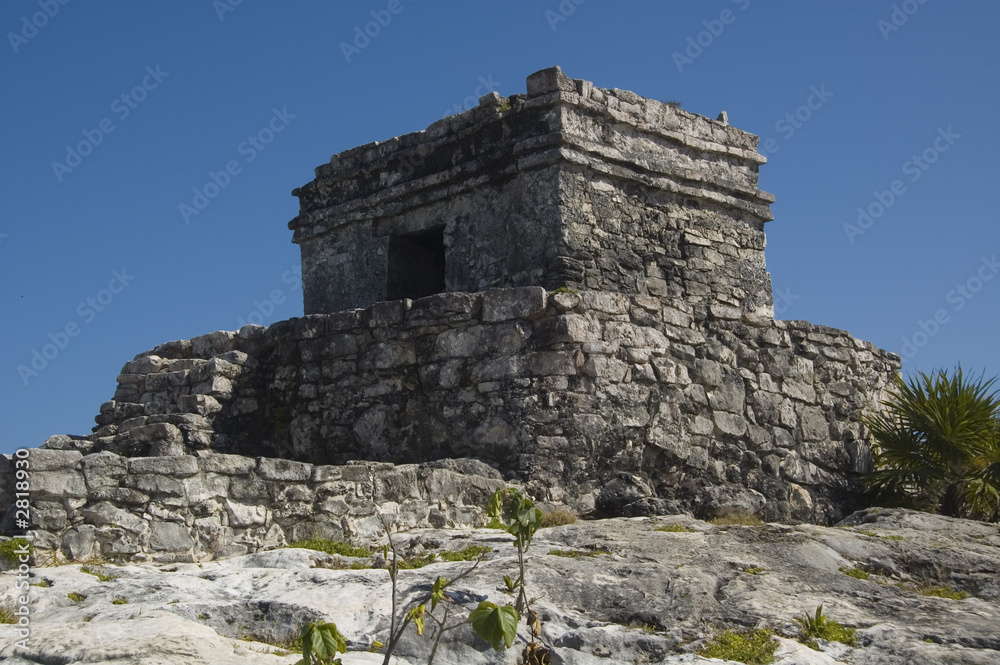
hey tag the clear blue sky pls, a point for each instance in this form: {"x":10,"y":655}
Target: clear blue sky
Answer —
{"x":198,"y":82}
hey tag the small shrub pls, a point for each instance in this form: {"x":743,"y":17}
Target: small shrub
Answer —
{"x":674,"y":528}
{"x":576,"y":554}
{"x":76,"y":597}
{"x":44,"y":583}
{"x":738,"y":519}
{"x":753,"y":570}
{"x":557,"y":517}
{"x":332,"y":547}
{"x":203,"y":617}
{"x":119,"y":601}
{"x":504,"y":107}
{"x":856,"y":573}
{"x":755,"y":647}
{"x":823,"y":628}
{"x":564,"y":289}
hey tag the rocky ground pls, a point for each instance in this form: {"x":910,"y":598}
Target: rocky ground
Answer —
{"x":635,"y":594}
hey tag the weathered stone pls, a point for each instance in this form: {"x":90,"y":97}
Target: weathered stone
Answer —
{"x":278,"y":469}
{"x":170,"y":537}
{"x":521,"y":303}
{"x":182,"y":466}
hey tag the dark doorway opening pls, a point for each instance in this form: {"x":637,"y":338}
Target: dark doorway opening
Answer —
{"x":416,"y":265}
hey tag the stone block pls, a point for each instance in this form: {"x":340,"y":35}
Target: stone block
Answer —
{"x":41,"y":459}
{"x":233,"y":465}
{"x":65,"y":483}
{"x":242,"y":515}
{"x":179,"y":466}
{"x":170,"y":537}
{"x":526,"y":302}
{"x":549,"y":80}
{"x":271,"y":468}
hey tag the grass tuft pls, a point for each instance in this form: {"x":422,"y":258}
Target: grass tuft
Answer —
{"x":11,"y":549}
{"x":739,"y":519}
{"x":855,"y":572}
{"x":119,"y":601}
{"x":76,"y":597}
{"x":674,"y":528}
{"x":331,"y":547}
{"x":821,"y":627}
{"x":557,"y":517}
{"x":468,"y":554}
{"x":755,"y":647}
{"x":96,"y":572}
{"x":7,"y":608}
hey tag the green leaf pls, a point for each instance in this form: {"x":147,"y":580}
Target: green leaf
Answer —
{"x":437,"y":592}
{"x":416,"y":615}
{"x":496,"y":625}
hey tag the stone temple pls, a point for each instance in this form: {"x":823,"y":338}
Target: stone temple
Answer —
{"x":564,"y":288}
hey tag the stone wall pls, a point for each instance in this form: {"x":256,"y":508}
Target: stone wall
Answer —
{"x":195,"y":508}
{"x":607,"y":403}
{"x":567,"y":185}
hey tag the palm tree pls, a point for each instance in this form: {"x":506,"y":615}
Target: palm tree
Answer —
{"x":937,"y":446}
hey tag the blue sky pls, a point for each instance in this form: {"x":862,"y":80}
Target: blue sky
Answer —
{"x":114,"y":114}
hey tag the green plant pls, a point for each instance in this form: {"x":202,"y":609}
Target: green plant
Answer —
{"x":937,"y":446}
{"x":76,"y":597}
{"x":493,"y":523}
{"x":119,"y":601}
{"x":855,"y":572}
{"x":753,"y":570}
{"x":823,"y":628}
{"x":332,"y":547}
{"x":90,"y":570}
{"x":943,"y":592}
{"x":737,"y":519}
{"x":557,"y":517}
{"x":203,"y":617}
{"x":564,"y":289}
{"x":674,"y":528}
{"x":754,"y":647}
{"x":321,"y":642}
{"x":7,"y":609}
{"x":498,"y":624}
{"x":14,"y":548}
{"x":467,"y":554}
{"x":42,"y":582}
{"x":504,"y":107}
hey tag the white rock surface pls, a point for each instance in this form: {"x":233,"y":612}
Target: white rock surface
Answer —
{"x":687,"y":585}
